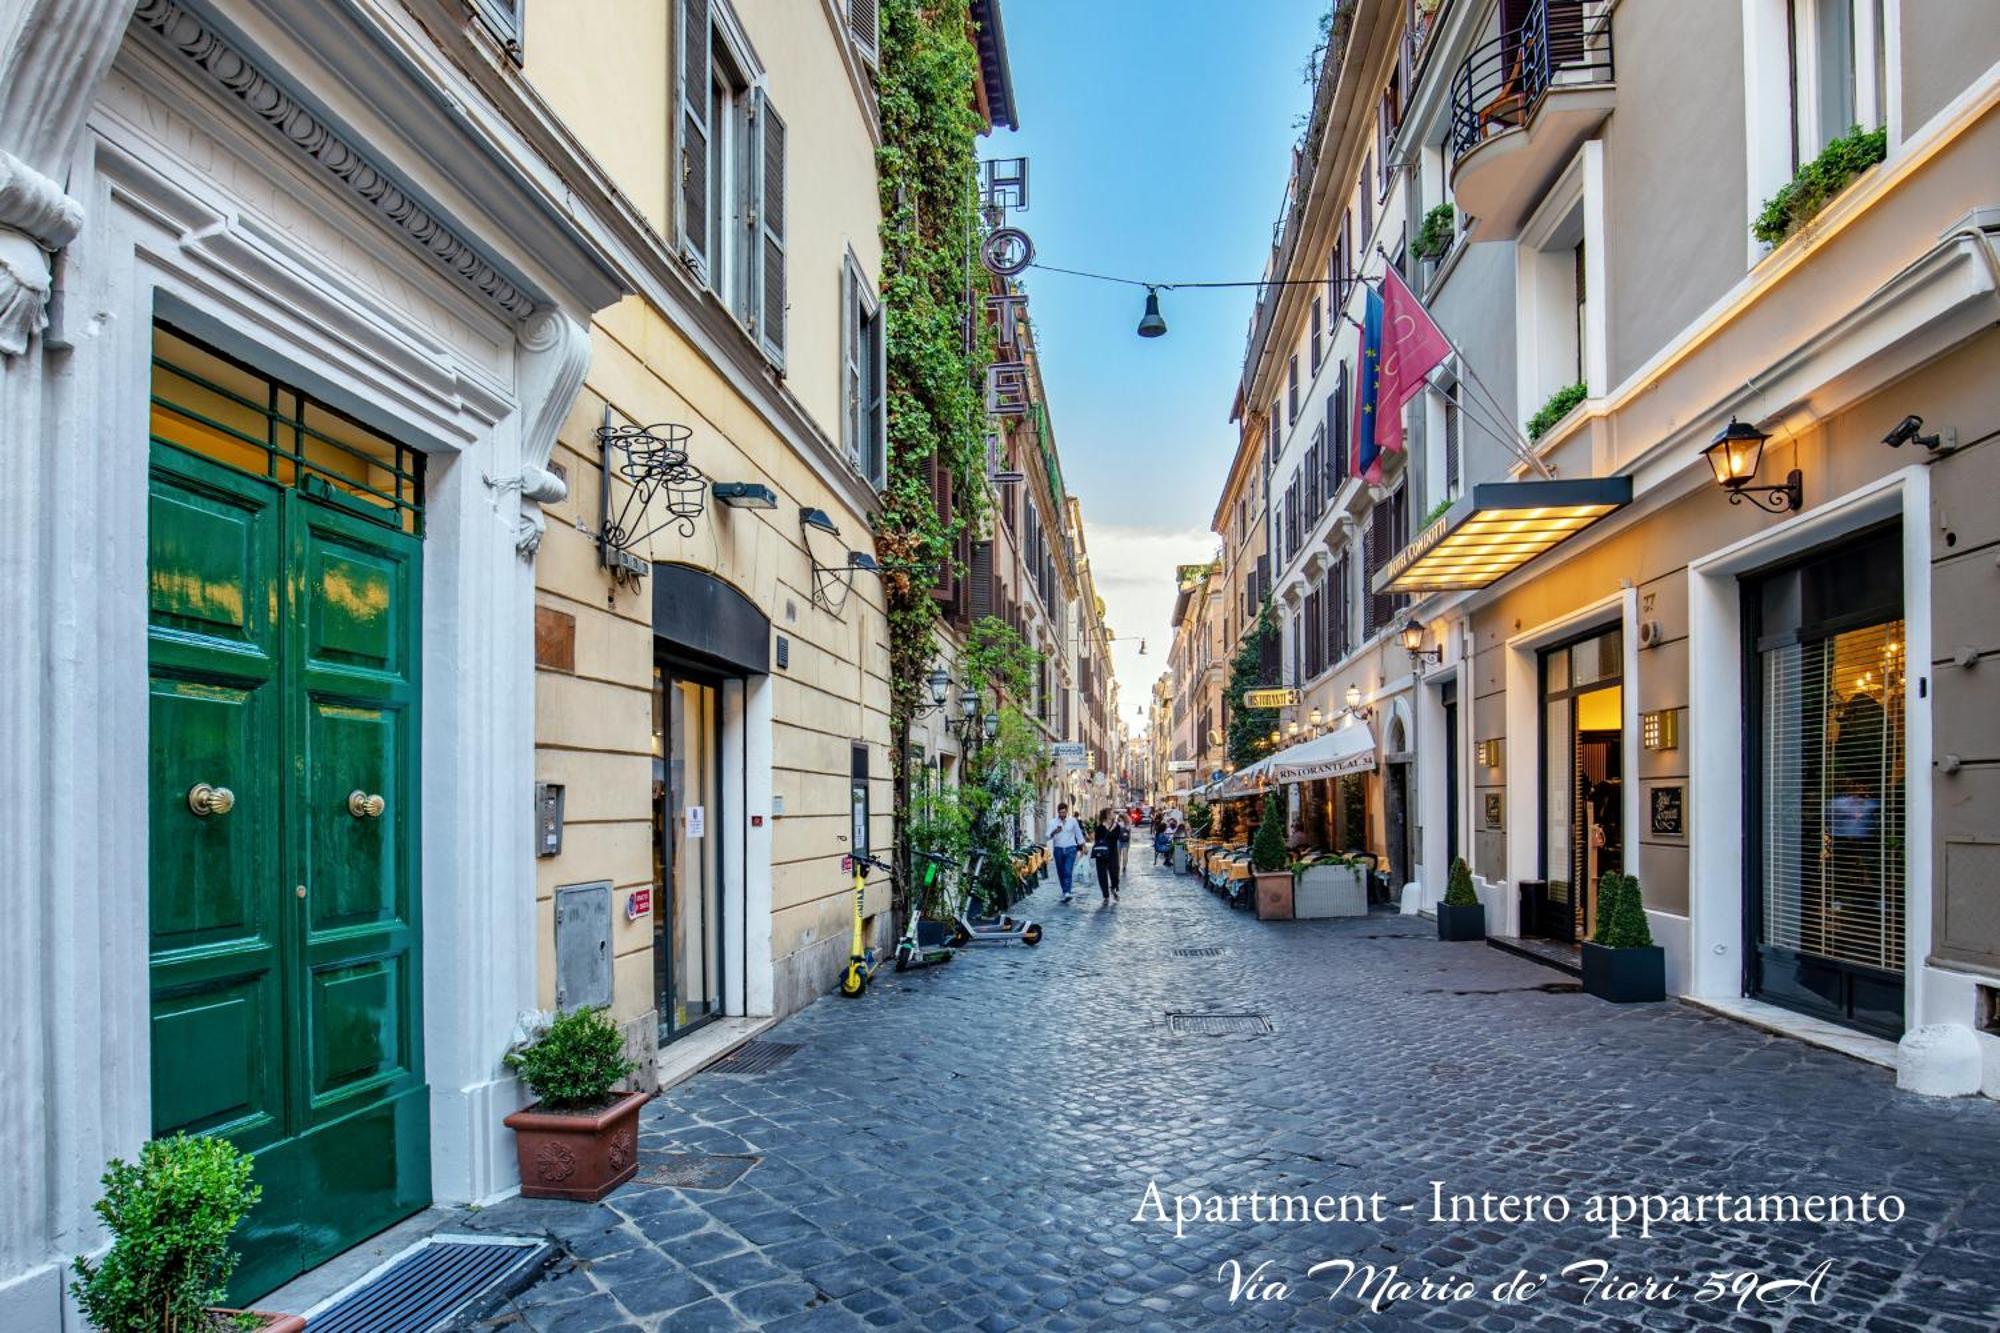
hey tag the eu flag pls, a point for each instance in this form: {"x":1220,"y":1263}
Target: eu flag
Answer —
{"x":1367,"y":454}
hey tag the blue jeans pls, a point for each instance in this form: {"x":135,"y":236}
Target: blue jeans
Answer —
{"x":1065,"y":868}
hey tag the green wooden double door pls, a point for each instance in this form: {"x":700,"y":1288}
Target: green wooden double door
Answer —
{"x":284,"y":921}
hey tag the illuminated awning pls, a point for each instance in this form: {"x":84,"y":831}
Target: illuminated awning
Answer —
{"x":1498,"y":527}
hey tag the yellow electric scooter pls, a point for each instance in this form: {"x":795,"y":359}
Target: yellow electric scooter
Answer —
{"x":860,"y":958}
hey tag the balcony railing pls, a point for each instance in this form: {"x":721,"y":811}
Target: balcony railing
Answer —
{"x":1560,"y":43}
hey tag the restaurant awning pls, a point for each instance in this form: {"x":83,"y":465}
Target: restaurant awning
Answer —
{"x":1245,"y":781}
{"x":1348,"y":749}
{"x":1496,"y":528}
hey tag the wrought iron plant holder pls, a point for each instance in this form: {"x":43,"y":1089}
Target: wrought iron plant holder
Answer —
{"x":653,"y":461}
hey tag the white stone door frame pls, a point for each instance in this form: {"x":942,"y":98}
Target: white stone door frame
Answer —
{"x":1715,"y":713}
{"x":397,"y":344}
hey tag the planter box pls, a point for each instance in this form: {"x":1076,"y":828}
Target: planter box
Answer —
{"x":1462,"y":923}
{"x":1326,"y":891}
{"x":1625,"y":976}
{"x":1274,"y":895}
{"x":272,"y":1322}
{"x":582,"y":1157}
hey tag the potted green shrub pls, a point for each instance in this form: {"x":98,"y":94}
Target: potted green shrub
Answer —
{"x":1461,"y":916}
{"x":171,"y":1216}
{"x":1270,"y":864}
{"x":1620,"y":961}
{"x":580,"y":1139}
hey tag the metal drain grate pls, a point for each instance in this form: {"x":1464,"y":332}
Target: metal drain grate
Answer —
{"x":754,"y":1057}
{"x":1210,"y":951}
{"x":428,"y":1285}
{"x":1218,"y":1025}
{"x":698,"y":1171}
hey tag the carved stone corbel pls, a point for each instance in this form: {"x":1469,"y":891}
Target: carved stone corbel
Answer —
{"x":57,"y":54}
{"x":555,"y":354}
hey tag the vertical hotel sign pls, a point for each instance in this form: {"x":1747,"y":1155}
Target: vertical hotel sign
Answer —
{"x":1006,"y":251}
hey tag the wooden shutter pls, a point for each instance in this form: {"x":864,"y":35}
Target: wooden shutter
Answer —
{"x":863,"y":17}
{"x":769,"y":304}
{"x":850,"y":366}
{"x":1451,"y":443}
{"x":1337,"y":413}
{"x":980,"y":578}
{"x":877,"y":351}
{"x":694,"y":81}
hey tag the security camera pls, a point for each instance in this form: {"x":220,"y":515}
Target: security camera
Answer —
{"x":1905,"y":431}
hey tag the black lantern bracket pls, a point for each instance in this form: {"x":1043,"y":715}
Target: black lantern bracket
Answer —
{"x":1788,"y":496}
{"x":831,"y":584}
{"x":653,"y":461}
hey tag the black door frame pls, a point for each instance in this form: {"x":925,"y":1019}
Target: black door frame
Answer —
{"x":1754,"y":643}
{"x":674,"y":669}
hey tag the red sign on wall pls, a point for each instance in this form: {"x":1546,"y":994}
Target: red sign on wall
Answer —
{"x":638,"y":903}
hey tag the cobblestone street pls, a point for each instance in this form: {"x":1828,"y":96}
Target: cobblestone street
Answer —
{"x":967,"y":1147}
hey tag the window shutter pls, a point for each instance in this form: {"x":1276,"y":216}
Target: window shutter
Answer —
{"x":850,"y":365}
{"x":770,"y":266}
{"x":981,"y":579}
{"x":1451,"y":429}
{"x":503,"y":19}
{"x":878,"y":396}
{"x":1338,"y":414}
{"x":862,"y":18}
{"x":694,"y":80}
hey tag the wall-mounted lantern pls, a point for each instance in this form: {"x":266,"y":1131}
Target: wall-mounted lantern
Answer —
{"x":1412,"y":635}
{"x":1487,"y":752}
{"x":745,"y":494}
{"x":1661,"y":730}
{"x":1734,"y":457}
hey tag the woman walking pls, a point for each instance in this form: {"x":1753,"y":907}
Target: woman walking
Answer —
{"x":1104,"y":852}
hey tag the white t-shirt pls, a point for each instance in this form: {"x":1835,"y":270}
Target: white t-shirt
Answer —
{"x":1065,"y":832}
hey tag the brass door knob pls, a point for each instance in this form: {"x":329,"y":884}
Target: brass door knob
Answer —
{"x":206,"y":800}
{"x":363,"y":806}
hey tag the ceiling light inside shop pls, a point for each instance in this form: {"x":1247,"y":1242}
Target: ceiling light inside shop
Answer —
{"x":1499,"y":527}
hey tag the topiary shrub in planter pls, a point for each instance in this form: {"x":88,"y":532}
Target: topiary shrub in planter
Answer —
{"x":1271,"y":864}
{"x":171,"y":1216}
{"x":1461,"y":916}
{"x":1620,"y":961}
{"x":580,"y":1140}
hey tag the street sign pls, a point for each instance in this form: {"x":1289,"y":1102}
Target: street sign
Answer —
{"x":1180,"y":766}
{"x":1070,"y":754}
{"x":1270,"y":698}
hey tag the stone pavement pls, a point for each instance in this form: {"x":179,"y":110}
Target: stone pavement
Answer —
{"x":967,"y":1147}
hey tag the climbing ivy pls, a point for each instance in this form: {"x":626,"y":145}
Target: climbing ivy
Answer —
{"x":1250,"y":728}
{"x":927,"y":170}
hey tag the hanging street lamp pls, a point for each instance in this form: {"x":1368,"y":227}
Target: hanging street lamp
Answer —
{"x":1152,"y":324}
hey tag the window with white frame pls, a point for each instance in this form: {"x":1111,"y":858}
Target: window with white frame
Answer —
{"x":863,"y":378}
{"x":505,"y":20}
{"x":732,"y":173}
{"x":1838,"y":71}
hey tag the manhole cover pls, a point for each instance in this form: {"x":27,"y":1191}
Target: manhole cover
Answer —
{"x":698,"y":1171}
{"x":754,"y":1057}
{"x":1218,"y":1025}
{"x":1209,"y":952}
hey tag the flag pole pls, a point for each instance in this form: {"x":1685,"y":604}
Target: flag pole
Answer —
{"x":1516,"y":441}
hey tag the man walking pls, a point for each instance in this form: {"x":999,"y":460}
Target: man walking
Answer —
{"x":1065,"y":837}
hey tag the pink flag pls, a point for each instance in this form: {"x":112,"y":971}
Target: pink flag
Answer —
{"x":1412,"y":347}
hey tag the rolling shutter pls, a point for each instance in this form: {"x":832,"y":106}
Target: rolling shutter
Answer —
{"x":769,"y":308}
{"x":694,"y":84}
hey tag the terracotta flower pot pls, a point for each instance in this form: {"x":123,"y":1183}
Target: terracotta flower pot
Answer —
{"x":273,"y":1321}
{"x":1274,"y":895}
{"x":577,"y":1155}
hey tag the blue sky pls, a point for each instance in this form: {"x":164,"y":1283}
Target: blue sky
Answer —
{"x":1158,"y":134}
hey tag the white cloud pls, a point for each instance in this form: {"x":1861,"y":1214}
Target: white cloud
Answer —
{"x":1133,"y":568}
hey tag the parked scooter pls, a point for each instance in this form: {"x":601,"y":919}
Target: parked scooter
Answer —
{"x":861,"y":961}
{"x":998,"y":929}
{"x":924,"y":942}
